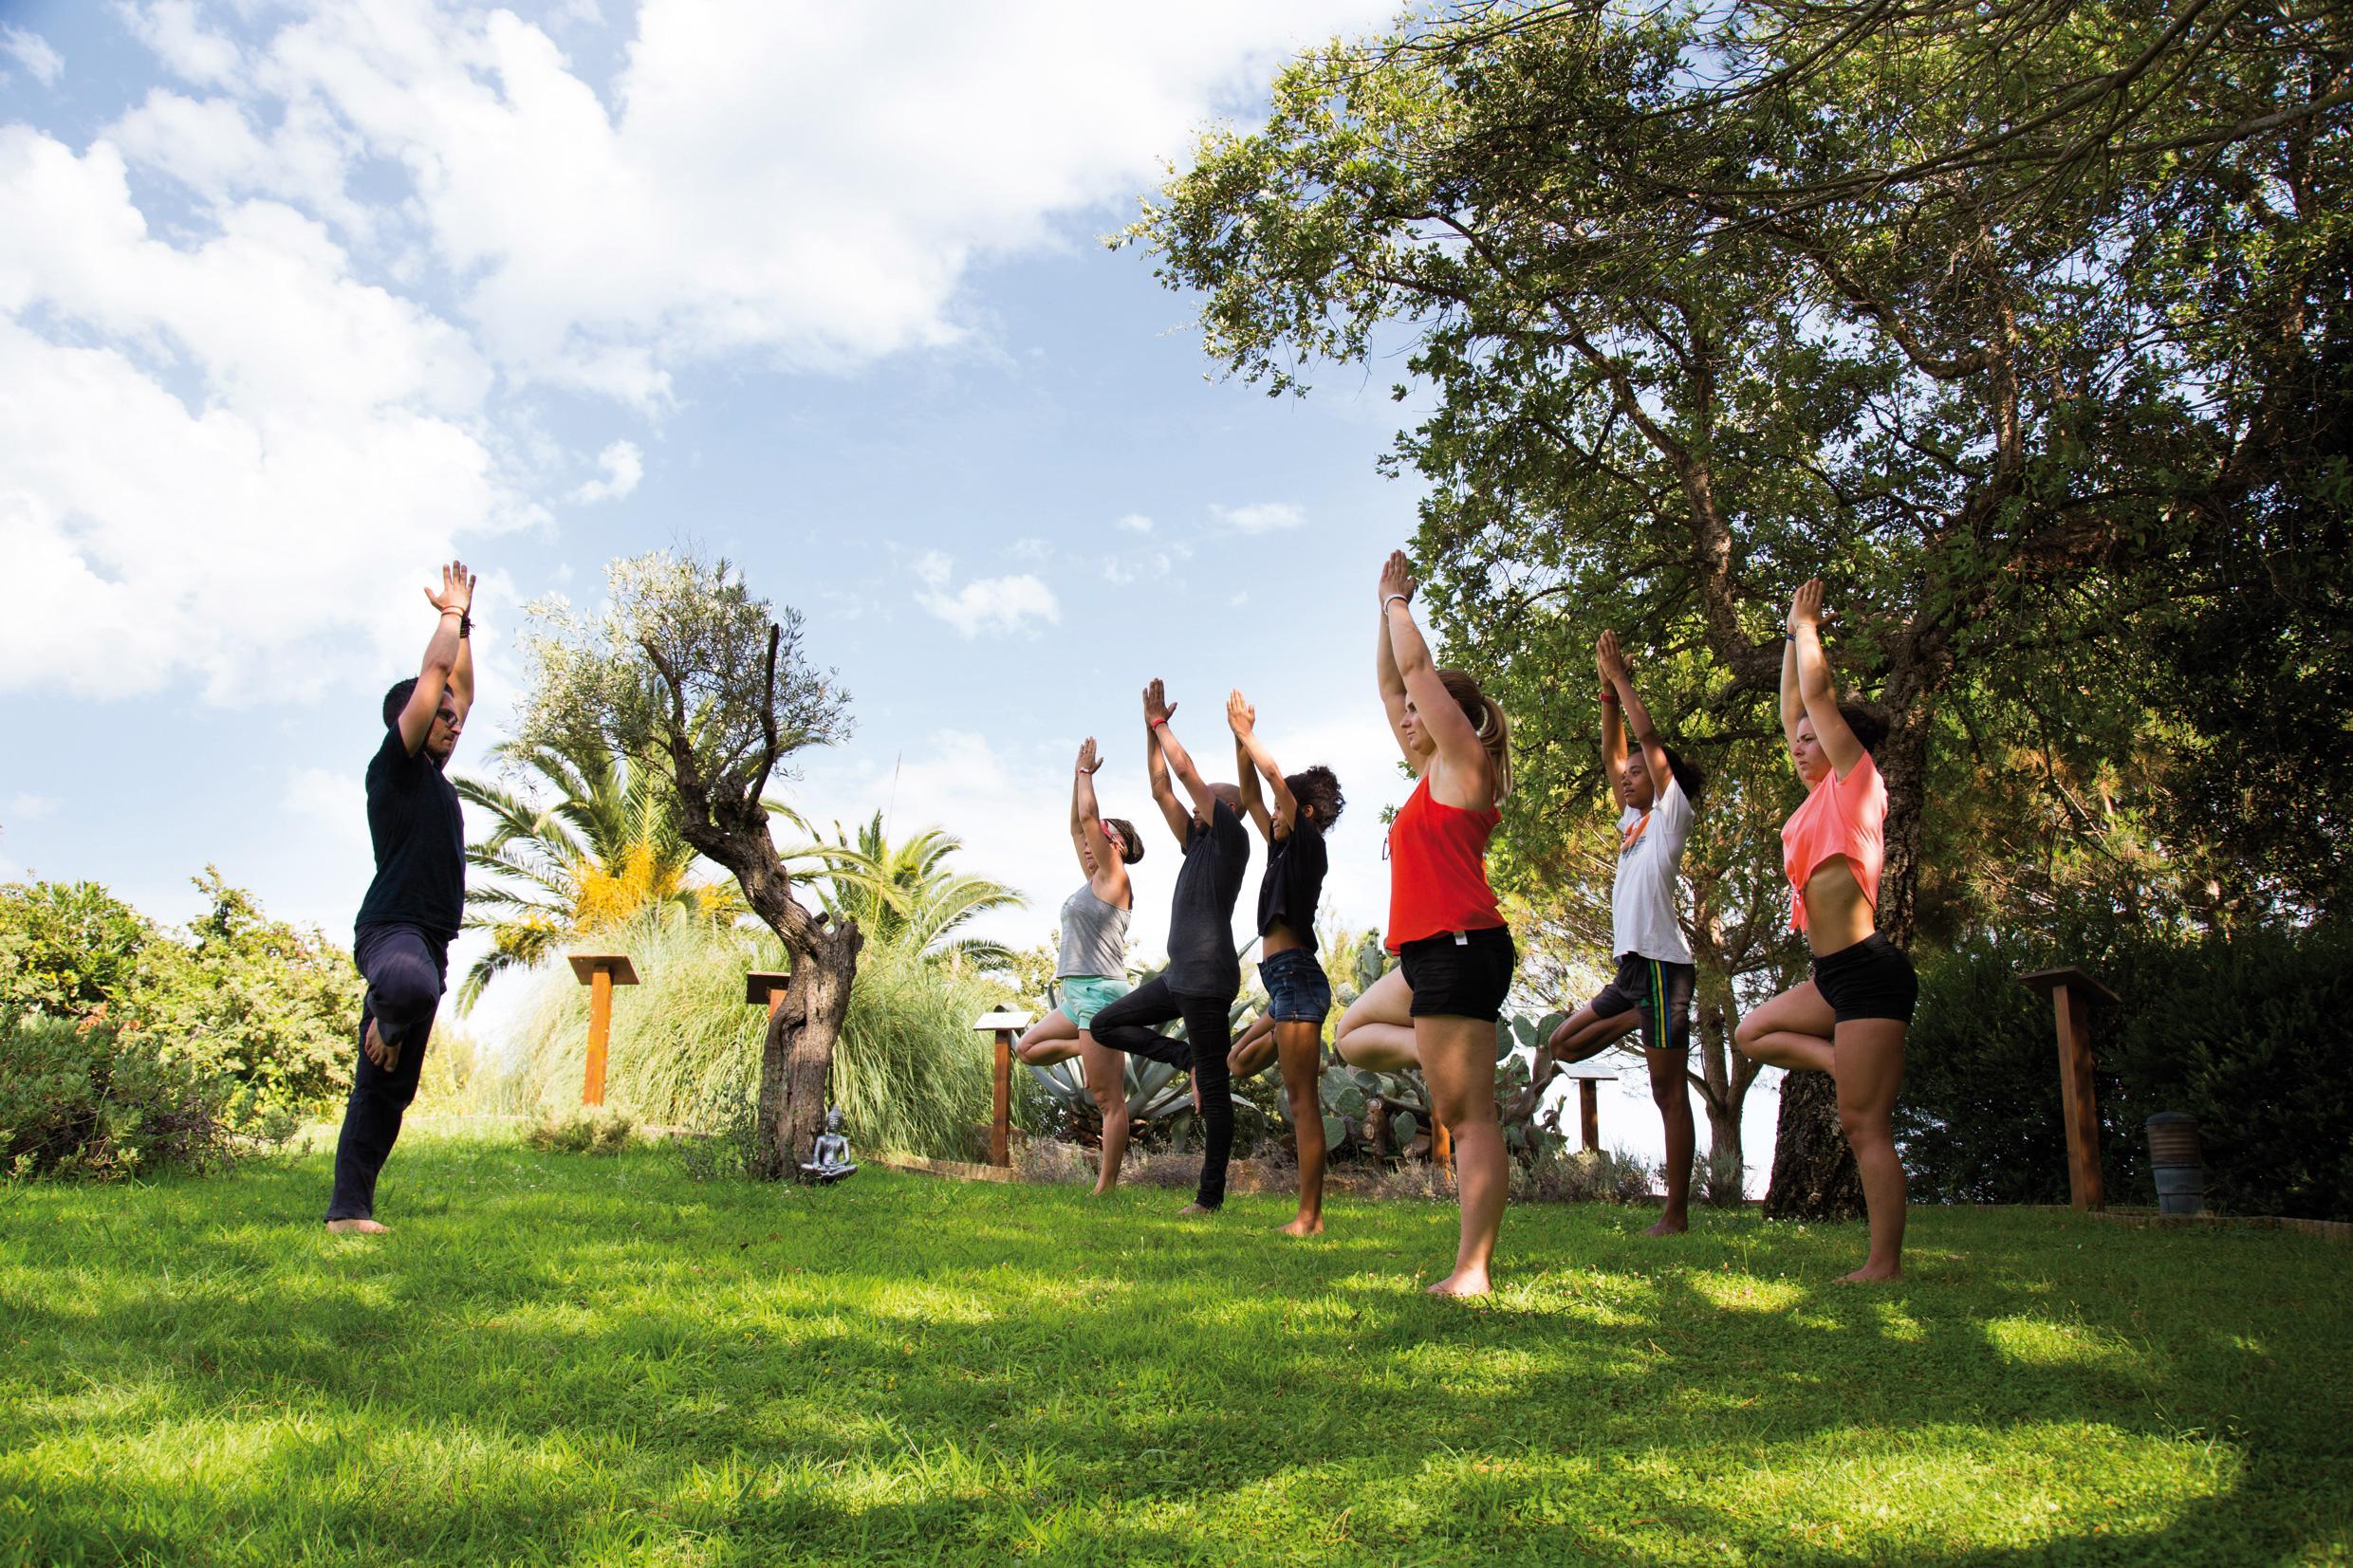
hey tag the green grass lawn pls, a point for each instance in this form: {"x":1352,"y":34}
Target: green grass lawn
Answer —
{"x":574,"y":1359}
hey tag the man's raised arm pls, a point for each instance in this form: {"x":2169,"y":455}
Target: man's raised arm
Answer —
{"x":442,"y":657}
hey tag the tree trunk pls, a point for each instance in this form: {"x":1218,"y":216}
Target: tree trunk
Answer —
{"x":1723,"y":1081}
{"x":1814,"y":1174}
{"x":796,"y":1059}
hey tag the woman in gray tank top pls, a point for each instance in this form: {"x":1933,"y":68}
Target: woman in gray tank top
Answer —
{"x":1091,"y":970}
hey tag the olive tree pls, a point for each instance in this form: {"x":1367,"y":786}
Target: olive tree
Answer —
{"x":685,"y":668}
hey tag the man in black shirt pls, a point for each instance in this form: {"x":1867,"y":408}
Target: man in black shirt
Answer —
{"x":1204,"y":972}
{"x":411,"y":913}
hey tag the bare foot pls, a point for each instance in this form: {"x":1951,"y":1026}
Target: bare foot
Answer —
{"x":1104,"y":1188}
{"x":1868,"y":1275}
{"x":1669,"y":1224}
{"x":1462,"y":1284}
{"x":1192,"y":1209}
{"x":386,"y":1057}
{"x":1303,"y":1226}
{"x":360,"y":1227}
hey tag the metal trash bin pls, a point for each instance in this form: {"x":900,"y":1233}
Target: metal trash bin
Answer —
{"x":2177,"y":1162}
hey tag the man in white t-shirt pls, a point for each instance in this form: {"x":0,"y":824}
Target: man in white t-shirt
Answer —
{"x":1653,"y":986}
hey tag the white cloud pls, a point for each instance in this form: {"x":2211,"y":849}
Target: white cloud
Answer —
{"x":931,"y":568}
{"x":26,"y":806}
{"x":1133,"y":522}
{"x":1264,"y":517}
{"x":993,"y":604}
{"x":1142,"y":566}
{"x":33,"y":51}
{"x":333,"y":798}
{"x":1030,"y":547}
{"x":623,"y":465}
{"x":191,"y":50}
{"x":810,"y":182}
{"x":232,"y":460}
{"x":214,"y":146}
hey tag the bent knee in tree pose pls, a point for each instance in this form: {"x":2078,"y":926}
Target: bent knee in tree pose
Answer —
{"x":1293,"y":812}
{"x":1090,"y":971}
{"x":1438,"y":1008}
{"x":1850,"y":1019}
{"x":1658,"y":795}
{"x":402,"y":938}
{"x":1204,"y":973}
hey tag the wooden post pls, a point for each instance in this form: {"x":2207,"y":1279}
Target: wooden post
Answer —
{"x":1003,"y":1023}
{"x":599,"y":972}
{"x":767,"y":986}
{"x":2072,"y":993}
{"x":1590,"y":1075}
{"x":1441,"y":1142}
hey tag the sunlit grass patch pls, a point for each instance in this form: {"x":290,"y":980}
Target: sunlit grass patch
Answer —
{"x":556,"y":1359}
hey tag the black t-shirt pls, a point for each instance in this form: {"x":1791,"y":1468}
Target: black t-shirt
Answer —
{"x":420,"y":842}
{"x":1201,"y":960}
{"x":1294,"y":881}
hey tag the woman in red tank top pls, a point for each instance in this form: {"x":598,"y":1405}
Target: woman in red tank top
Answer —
{"x":1438,"y":1009}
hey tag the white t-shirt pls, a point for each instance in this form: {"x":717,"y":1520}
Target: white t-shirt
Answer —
{"x":1642,"y":902}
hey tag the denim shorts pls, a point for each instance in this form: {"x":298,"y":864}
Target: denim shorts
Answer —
{"x":1084,"y":995}
{"x":1296,"y":990}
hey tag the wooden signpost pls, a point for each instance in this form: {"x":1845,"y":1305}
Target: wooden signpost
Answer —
{"x":765,"y":987}
{"x":2072,"y":993}
{"x":1005,"y":1023}
{"x":1589,"y":1076}
{"x":599,"y":972}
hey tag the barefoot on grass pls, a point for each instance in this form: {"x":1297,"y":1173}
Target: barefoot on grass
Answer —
{"x":1461,"y":1284}
{"x":360,"y":1227}
{"x":1668,"y":1227}
{"x":1867,"y":1275}
{"x":1192,"y":1210}
{"x":1303,"y":1226}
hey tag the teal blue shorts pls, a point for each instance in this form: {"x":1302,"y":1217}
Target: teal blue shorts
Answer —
{"x":1084,"y":995}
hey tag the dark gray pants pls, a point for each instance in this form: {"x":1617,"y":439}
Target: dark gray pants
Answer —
{"x":1130,"y":1024}
{"x":407,"y":968}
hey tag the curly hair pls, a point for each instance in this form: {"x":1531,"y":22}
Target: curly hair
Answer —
{"x":1318,"y":788}
{"x":1693,"y":777}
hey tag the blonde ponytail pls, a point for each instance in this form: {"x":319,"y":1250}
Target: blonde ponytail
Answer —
{"x":1492,"y":725}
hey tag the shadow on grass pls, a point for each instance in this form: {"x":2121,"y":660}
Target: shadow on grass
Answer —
{"x":599,"y":1357}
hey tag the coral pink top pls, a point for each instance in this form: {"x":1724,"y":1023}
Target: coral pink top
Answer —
{"x":1839,"y":816}
{"x":1438,"y":869}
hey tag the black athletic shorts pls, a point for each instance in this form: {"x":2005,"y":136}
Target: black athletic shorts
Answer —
{"x":1460,"y":975}
{"x":1872,"y":979}
{"x":1662,"y":990}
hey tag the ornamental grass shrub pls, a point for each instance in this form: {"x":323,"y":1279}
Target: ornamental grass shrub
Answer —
{"x":910,"y":1073}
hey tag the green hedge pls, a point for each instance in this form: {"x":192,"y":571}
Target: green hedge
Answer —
{"x":93,"y":1098}
{"x":2248,"y":1034}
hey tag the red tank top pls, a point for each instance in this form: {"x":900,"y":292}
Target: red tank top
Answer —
{"x":1438,"y":869}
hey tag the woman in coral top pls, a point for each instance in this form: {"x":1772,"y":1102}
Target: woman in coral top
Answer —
{"x":1849,"y":1020}
{"x":1438,"y":1009}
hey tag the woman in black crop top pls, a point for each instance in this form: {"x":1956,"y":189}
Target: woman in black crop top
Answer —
{"x":1304,"y":806}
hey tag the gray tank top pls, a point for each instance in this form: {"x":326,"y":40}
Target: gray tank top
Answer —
{"x":1094,"y":936}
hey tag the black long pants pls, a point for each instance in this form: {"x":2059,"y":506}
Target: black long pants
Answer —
{"x":1130,"y":1024}
{"x":407,"y":969}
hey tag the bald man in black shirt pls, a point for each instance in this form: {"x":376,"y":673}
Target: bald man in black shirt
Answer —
{"x":413,"y":908}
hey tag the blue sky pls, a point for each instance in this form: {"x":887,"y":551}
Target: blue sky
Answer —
{"x":298,"y":298}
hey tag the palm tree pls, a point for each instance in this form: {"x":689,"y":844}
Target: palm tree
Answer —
{"x":905,"y":894}
{"x":606,"y":848}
